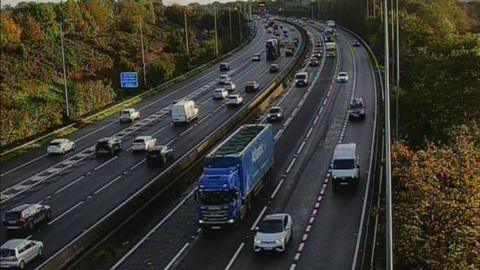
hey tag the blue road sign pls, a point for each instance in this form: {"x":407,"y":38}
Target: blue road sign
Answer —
{"x":129,"y":79}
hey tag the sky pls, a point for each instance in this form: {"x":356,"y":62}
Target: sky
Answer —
{"x":166,"y":2}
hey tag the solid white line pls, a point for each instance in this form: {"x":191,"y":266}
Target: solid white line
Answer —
{"x":364,"y":207}
{"x":232,"y":260}
{"x":277,"y":188}
{"x":258,"y":218}
{"x":138,"y":164}
{"x":66,"y":212}
{"x":105,"y":163}
{"x":23,"y":165}
{"x":130,"y":252}
{"x":70,"y":184}
{"x":108,"y":184}
{"x":176,"y":256}
{"x":148,"y":184}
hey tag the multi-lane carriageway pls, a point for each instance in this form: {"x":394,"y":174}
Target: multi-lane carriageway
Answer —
{"x":82,"y":190}
{"x":327,"y":225}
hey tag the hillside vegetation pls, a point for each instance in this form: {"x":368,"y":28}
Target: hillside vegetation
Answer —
{"x":101,"y":39}
{"x":436,"y":173}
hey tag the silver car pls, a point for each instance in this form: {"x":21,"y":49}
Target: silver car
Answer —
{"x":19,"y":252}
{"x":273,"y":233}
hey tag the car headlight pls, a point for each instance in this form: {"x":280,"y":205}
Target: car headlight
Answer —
{"x":334,"y":176}
{"x":230,"y":220}
{"x":257,"y":241}
{"x":279,"y":241}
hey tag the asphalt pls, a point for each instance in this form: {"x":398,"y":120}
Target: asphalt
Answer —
{"x":325,"y":234}
{"x":178,"y":235}
{"x":82,"y":194}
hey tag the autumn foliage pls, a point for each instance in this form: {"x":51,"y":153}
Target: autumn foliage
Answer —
{"x":437,"y":204}
{"x":101,"y":39}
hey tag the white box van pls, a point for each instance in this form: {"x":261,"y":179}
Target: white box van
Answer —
{"x":345,"y":166}
{"x":184,"y":112}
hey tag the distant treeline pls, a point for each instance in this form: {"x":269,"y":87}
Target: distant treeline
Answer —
{"x":101,"y":39}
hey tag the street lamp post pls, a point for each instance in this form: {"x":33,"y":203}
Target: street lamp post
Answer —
{"x":67,"y":109}
{"x":397,"y":103}
{"x":388,"y":169}
{"x":216,"y":35}
{"x":143,"y":55}
{"x":230,"y":22}
{"x":187,"y":47}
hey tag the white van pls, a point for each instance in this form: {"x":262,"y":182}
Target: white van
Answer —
{"x":345,"y":166}
{"x":184,"y":111}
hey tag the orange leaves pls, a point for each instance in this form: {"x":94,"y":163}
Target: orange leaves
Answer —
{"x":10,"y":33}
{"x":437,"y":203}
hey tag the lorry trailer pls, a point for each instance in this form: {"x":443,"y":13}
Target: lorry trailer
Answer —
{"x":234,"y":171}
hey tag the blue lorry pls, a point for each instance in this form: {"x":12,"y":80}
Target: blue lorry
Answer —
{"x":234,"y":172}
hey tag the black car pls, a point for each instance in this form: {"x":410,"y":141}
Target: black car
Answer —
{"x":313,"y":62}
{"x":355,"y":43}
{"x":26,"y":216}
{"x":356,"y":109}
{"x":288,"y":52}
{"x":251,"y":86}
{"x":160,"y":154}
{"x":224,"y":67}
{"x":275,"y":114}
{"x":274,"y":68}
{"x":108,"y":146}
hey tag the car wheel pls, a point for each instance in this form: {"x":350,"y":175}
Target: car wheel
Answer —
{"x":73,"y":146}
{"x":63,"y":151}
{"x":30,"y":225}
{"x":21,"y":265}
{"x":40,"y":252}
{"x":48,"y":215}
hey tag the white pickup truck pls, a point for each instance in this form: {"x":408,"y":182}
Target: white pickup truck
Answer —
{"x":128,"y":115}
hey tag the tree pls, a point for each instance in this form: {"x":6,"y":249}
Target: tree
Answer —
{"x":161,"y":69}
{"x":10,"y":32}
{"x":436,"y":215}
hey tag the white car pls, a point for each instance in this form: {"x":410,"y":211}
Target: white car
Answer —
{"x":18,"y":252}
{"x":143,"y":143}
{"x":128,"y":115}
{"x":220,"y":93}
{"x":60,"y":146}
{"x":230,"y":86}
{"x":273,"y":233}
{"x":342,"y":77}
{"x":256,"y":57}
{"x":301,"y":79}
{"x":224,"y":79}
{"x":234,"y":100}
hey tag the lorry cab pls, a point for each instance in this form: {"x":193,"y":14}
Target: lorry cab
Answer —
{"x":184,"y":112}
{"x":345,"y":166}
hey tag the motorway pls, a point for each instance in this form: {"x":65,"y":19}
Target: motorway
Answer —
{"x":82,"y":189}
{"x":326,"y":224}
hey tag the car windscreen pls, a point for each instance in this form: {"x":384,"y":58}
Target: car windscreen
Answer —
{"x":343,"y":164}
{"x":12,"y":215}
{"x":138,"y":141}
{"x":275,"y":110}
{"x":233,"y":98}
{"x":125,"y":113}
{"x":55,"y":143}
{"x":102,"y":144}
{"x":4,"y":252}
{"x":300,"y":77}
{"x":271,"y":226}
{"x":356,"y":105}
